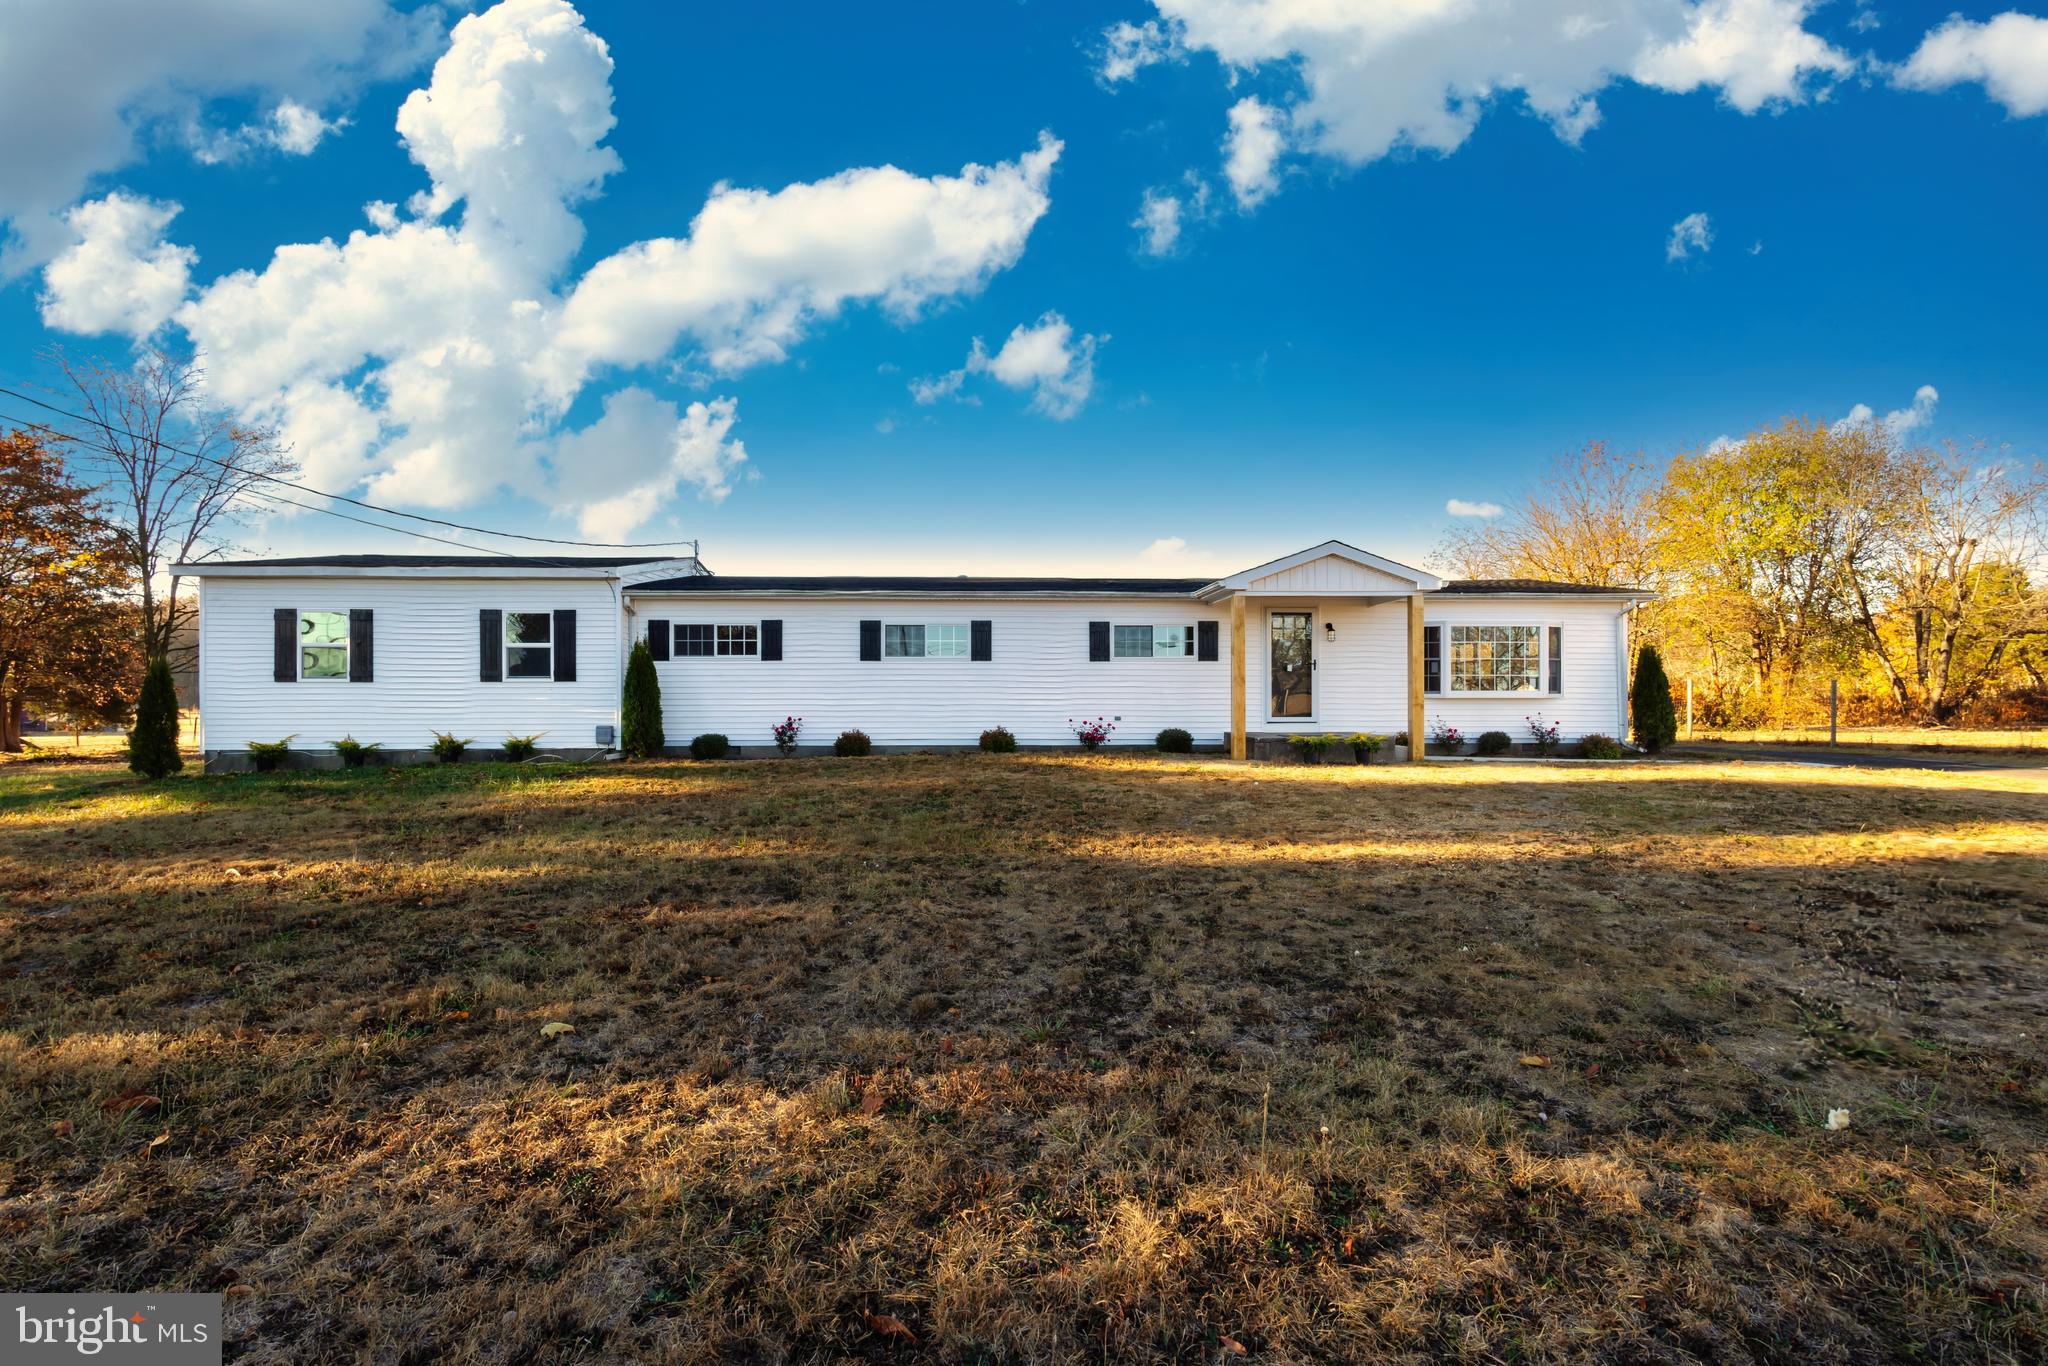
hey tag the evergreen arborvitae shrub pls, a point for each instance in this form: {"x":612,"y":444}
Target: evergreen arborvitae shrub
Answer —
{"x":1493,"y":742}
{"x":640,"y":710}
{"x":1649,"y":702}
{"x":1174,"y":740}
{"x":153,"y":744}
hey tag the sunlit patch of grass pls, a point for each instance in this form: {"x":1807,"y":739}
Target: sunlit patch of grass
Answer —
{"x":1045,"y":1057}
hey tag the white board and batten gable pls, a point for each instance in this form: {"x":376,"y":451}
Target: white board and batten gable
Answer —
{"x":1331,"y":569}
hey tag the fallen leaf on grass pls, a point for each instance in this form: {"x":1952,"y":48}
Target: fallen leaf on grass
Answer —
{"x":157,"y":1142}
{"x":454,"y":1015}
{"x":1592,"y":1069}
{"x":130,"y":1100}
{"x":871,"y":1103}
{"x":554,"y":1029}
{"x":1753,"y":926}
{"x":1535,"y":1060}
{"x":1232,"y":1345}
{"x":889,"y":1326}
{"x":63,"y":1128}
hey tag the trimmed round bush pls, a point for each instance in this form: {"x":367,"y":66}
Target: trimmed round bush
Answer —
{"x":1599,"y":747}
{"x":1174,"y":740}
{"x":1493,"y":742}
{"x":851,"y":744}
{"x":997,"y":740}
{"x":710,"y":745}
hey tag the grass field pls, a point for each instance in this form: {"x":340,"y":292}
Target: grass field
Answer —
{"x":1036,"y":1058}
{"x":1888,"y":737}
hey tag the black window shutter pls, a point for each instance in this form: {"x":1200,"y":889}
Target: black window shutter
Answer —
{"x":1205,"y":641}
{"x":981,"y":640}
{"x":565,"y":645}
{"x":657,"y":638}
{"x":870,"y":641}
{"x":771,"y":640}
{"x":1098,"y":641}
{"x":1432,"y":659}
{"x":1557,"y":659}
{"x":284,"y":653}
{"x":362,"y":646}
{"x":490,"y":645}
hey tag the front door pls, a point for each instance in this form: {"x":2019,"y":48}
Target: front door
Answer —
{"x":1292,"y":659}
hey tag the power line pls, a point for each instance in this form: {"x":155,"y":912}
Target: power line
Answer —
{"x":321,"y":493}
{"x":109,"y":465}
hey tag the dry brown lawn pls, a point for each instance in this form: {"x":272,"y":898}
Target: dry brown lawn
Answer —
{"x":1036,"y":1059}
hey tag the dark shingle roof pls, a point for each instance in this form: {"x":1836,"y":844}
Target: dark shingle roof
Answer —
{"x":1482,"y":587}
{"x":899,"y":583}
{"x":443,"y":562}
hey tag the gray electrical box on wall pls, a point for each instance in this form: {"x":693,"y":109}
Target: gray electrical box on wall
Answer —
{"x":604,"y":735}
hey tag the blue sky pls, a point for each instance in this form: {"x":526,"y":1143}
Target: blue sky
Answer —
{"x":1338,"y":343}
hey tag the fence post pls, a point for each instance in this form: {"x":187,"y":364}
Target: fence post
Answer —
{"x":1834,"y":705}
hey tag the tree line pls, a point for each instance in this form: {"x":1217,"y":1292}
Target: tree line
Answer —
{"x":93,"y":513}
{"x":1803,"y":554}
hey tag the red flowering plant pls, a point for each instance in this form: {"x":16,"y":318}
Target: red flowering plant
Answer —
{"x":1092,"y":734}
{"x":1446,"y":736}
{"x":785,"y":732}
{"x":1544,"y":733}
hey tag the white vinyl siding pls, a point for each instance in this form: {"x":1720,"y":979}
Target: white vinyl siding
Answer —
{"x":1361,"y":676}
{"x":1041,"y":674}
{"x":426,"y":648}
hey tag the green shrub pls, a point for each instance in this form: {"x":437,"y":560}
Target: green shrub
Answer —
{"x":1600,"y":747}
{"x":1174,"y":740}
{"x":710,"y":745}
{"x":998,"y":740}
{"x":1492,"y":742}
{"x":851,"y":744}
{"x":266,"y":755}
{"x":520,"y":748}
{"x":1312,"y":748}
{"x":153,"y":744}
{"x":1649,"y":702}
{"x":640,"y":708}
{"x":447,"y":748}
{"x":1364,"y":745}
{"x":353,"y":752}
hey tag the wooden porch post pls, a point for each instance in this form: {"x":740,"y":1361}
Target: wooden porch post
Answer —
{"x":1415,"y":737}
{"x":1237,"y":675}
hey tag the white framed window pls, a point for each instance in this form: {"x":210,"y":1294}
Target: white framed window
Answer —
{"x":323,"y":645}
{"x":1495,"y":659}
{"x":934,"y":640}
{"x":529,"y":644}
{"x":1152,"y":642}
{"x":695,"y":638}
{"x":738,"y":640}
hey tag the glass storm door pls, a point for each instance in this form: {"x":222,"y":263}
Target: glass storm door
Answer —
{"x":1293,"y":665}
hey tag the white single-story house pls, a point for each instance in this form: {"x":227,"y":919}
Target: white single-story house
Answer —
{"x":392,"y":648}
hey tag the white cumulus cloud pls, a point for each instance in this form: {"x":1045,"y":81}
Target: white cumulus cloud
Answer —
{"x":1690,"y":234}
{"x":642,"y":447}
{"x":1045,"y":358}
{"x":82,"y":86}
{"x":1251,"y":150}
{"x":1376,"y":76}
{"x":1167,"y":549}
{"x":1899,"y":421}
{"x":1463,"y":507}
{"x":2007,"y":54}
{"x":1129,"y":48}
{"x":432,"y":355}
{"x":118,"y":274}
{"x":1158,"y":222}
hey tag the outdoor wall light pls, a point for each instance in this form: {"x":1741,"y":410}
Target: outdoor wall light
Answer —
{"x":1330,"y":631}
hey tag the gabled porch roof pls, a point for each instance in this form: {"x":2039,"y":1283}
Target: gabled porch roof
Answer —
{"x":1332,"y":569}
